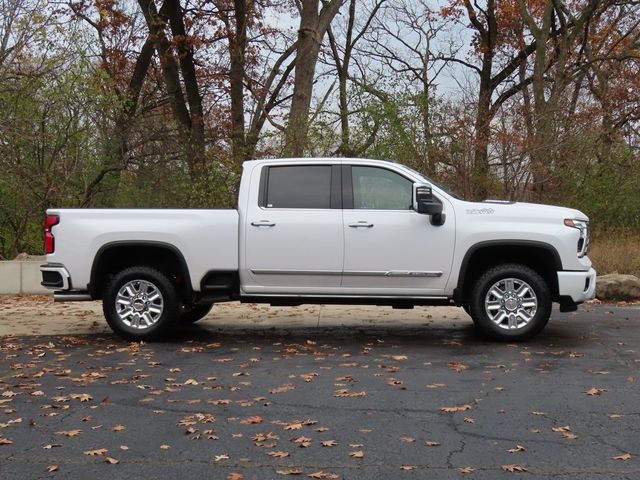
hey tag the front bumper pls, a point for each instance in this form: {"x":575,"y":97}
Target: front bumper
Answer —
{"x":579,"y":286}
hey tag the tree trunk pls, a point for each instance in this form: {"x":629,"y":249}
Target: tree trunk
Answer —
{"x":313,"y":26}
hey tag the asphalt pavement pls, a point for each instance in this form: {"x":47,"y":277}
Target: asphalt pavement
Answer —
{"x":377,"y":399}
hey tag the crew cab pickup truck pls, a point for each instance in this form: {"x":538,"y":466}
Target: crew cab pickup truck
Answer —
{"x":324,"y":230}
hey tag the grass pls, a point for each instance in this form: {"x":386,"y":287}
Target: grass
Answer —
{"x":617,"y":251}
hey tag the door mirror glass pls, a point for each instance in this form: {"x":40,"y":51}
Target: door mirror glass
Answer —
{"x":425,"y":202}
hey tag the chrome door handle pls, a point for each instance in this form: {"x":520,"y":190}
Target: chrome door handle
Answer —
{"x":263,"y":223}
{"x":361,"y":224}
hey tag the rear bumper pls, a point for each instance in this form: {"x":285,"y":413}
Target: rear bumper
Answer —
{"x":55,"y":276}
{"x":579,"y":286}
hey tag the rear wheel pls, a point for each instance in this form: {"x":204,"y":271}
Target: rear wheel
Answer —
{"x":140,"y":303}
{"x":193,"y":314}
{"x":511,"y":302}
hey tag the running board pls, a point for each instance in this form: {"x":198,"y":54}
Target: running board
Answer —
{"x":62,"y":296}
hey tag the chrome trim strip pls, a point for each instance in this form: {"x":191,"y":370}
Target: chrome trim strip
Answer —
{"x":351,"y":273}
{"x":269,"y":271}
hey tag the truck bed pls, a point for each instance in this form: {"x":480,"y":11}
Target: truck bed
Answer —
{"x":207,"y":239}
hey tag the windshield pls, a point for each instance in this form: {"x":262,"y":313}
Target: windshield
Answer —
{"x":428,"y":180}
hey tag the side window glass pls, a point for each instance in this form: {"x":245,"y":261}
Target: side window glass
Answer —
{"x":300,"y":186}
{"x":380,"y":189}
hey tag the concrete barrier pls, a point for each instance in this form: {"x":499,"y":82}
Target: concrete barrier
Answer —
{"x":19,"y":277}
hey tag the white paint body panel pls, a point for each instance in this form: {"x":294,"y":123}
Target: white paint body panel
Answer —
{"x":204,"y":237}
{"x":313,"y":251}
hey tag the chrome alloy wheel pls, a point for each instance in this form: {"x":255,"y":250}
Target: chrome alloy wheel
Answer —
{"x":511,"y":303}
{"x":139,"y":304}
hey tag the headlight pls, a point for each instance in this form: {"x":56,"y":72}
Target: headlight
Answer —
{"x":583,"y":241}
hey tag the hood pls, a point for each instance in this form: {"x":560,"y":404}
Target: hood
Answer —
{"x":530,"y":211}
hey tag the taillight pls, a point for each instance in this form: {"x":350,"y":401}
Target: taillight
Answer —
{"x":49,"y":241}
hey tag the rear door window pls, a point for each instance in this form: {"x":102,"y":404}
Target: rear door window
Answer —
{"x":299,"y":186}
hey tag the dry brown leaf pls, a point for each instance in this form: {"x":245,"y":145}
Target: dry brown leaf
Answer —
{"x":49,"y":446}
{"x":407,"y":439}
{"x":430,"y":443}
{"x":83,"y":397}
{"x":469,"y":420}
{"x":517,"y":448}
{"x":513,"y":468}
{"x":70,"y":433}
{"x":436,"y":385}
{"x":456,"y":409}
{"x":408,"y":467}
{"x":52,"y":468}
{"x":217,"y":458}
{"x":322,"y":474}
{"x":624,"y":457}
{"x":290,"y":471}
{"x":566,"y":428}
{"x":457,"y":366}
{"x":5,"y":441}
{"x":235,"y":476}
{"x":329,"y":443}
{"x":595,"y":391}
{"x":278,"y":454}
{"x":465,"y":470}
{"x":97,"y":451}
{"x":118,"y":428}
{"x":539,"y":414}
{"x":399,"y":357}
{"x":357,"y":454}
{"x":191,"y":381}
{"x":165,"y":447}
{"x":282,"y":389}
{"x":112,"y":461}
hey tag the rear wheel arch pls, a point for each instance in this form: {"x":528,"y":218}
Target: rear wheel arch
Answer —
{"x":114,"y":257}
{"x":539,"y":256}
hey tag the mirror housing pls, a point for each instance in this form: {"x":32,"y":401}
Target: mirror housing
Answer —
{"x":427,"y":204}
{"x":425,"y":201}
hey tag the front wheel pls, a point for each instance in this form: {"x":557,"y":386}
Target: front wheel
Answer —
{"x":511,"y":302}
{"x":140,"y":303}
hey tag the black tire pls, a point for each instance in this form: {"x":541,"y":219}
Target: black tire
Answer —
{"x":520,"y":328}
{"x":193,"y":314}
{"x":154,"y":282}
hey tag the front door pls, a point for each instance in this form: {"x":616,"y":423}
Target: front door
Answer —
{"x":294,"y":236}
{"x":390,"y":249}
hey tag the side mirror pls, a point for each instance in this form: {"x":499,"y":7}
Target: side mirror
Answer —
{"x":427,"y":204}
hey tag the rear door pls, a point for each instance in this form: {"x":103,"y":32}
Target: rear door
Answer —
{"x":294,"y":236}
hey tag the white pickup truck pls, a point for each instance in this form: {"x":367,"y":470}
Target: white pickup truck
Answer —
{"x":324,"y":230}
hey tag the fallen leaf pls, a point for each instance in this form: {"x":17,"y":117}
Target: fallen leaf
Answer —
{"x":111,"y":460}
{"x":595,"y":391}
{"x":539,"y":414}
{"x":52,"y":468}
{"x":469,"y":420}
{"x":357,"y":454}
{"x":408,"y":467}
{"x":399,"y":357}
{"x":322,"y":474}
{"x":217,"y":458}
{"x":517,"y":448}
{"x":436,"y":385}
{"x":624,"y":457}
{"x":407,"y":439}
{"x":465,"y":470}
{"x":118,"y":428}
{"x":282,"y":389}
{"x":513,"y":468}
{"x":5,"y":441}
{"x":278,"y":454}
{"x":456,"y":409}
{"x":457,"y":366}
{"x":430,"y":443}
{"x":566,"y":428}
{"x":70,"y":433}
{"x":98,"y":451}
{"x":191,"y":381}
{"x":569,"y":436}
{"x":254,"y":420}
{"x":83,"y":397}
{"x":165,"y":447}
{"x":291,"y":471}
{"x":235,"y":476}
